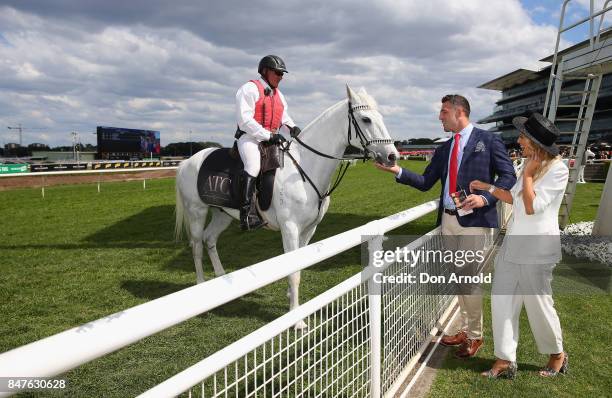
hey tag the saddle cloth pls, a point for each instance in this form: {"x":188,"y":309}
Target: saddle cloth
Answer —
{"x":219,"y":177}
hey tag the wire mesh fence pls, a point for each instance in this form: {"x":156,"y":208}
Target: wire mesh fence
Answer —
{"x":330,"y":358}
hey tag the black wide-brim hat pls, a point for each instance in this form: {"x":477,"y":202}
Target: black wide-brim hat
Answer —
{"x":540,"y":130}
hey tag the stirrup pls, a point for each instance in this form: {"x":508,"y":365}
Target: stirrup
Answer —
{"x":251,"y":222}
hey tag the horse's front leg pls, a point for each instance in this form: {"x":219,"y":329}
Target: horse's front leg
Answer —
{"x":291,"y":241}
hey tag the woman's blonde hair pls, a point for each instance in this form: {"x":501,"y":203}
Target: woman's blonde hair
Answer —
{"x":547,"y":160}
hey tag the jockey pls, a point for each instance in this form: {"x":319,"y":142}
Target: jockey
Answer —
{"x":261,"y":111}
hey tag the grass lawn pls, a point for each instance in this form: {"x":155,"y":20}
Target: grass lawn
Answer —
{"x":79,"y":255}
{"x":586,"y":320}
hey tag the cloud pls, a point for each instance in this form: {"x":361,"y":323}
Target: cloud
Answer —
{"x":175,"y":66}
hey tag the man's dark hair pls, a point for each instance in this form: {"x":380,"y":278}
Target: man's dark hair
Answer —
{"x":458,"y":100}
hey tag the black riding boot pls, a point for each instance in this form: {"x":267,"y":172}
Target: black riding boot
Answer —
{"x":249,"y":219}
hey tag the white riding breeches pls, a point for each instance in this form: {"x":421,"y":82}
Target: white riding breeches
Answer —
{"x":249,"y":153}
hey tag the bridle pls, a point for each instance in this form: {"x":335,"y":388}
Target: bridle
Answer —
{"x":363,"y":140}
{"x":364,"y":145}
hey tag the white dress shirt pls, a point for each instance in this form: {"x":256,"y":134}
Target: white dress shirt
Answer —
{"x":246,"y":97}
{"x":464,"y":137}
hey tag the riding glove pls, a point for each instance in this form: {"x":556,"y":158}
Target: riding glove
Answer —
{"x":294,"y":131}
{"x":276,"y":139}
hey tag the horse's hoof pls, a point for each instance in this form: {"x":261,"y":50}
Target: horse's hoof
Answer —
{"x":301,"y":325}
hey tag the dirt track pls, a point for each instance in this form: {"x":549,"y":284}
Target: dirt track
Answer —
{"x":7,"y":183}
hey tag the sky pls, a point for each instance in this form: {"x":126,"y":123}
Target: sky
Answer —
{"x":71,"y":65}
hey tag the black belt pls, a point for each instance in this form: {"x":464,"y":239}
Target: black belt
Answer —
{"x":451,"y":212}
{"x":239,"y":133}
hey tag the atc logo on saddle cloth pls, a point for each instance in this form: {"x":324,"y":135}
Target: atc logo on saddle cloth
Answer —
{"x":218,"y":181}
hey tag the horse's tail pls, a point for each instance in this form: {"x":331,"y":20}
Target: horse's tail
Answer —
{"x":179,"y":209}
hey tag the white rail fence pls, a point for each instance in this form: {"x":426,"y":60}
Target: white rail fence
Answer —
{"x":44,"y":174}
{"x":80,"y":172}
{"x":358,"y":343}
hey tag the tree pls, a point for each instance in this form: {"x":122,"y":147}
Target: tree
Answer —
{"x":38,"y":147}
{"x":187,"y":148}
{"x":61,"y":149}
{"x":420,"y":141}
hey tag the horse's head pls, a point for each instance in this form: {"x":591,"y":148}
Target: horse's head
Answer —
{"x":367,"y":129}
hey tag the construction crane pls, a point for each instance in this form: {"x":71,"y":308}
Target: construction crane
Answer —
{"x":21,"y":128}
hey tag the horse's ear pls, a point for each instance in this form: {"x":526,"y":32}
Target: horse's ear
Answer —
{"x":362,"y":91}
{"x":350,"y":94}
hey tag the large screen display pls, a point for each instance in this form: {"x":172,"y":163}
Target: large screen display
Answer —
{"x":122,"y":140}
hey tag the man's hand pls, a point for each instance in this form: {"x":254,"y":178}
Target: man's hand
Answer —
{"x":393,"y":169}
{"x":472,"y":202}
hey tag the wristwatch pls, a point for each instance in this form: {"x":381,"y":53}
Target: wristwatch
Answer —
{"x":491,"y":188}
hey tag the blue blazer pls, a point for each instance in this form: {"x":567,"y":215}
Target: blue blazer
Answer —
{"x":484,"y":157}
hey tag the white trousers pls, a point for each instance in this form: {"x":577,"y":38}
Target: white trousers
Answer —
{"x":581,"y":174}
{"x":515,"y":285}
{"x":457,"y":237}
{"x":249,"y":153}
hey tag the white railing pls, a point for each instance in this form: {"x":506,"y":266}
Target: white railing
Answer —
{"x":358,"y":343}
{"x":99,"y":172}
{"x":76,"y":172}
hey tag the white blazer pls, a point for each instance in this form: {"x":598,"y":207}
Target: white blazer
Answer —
{"x":534,"y":239}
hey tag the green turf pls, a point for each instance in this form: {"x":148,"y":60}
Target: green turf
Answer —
{"x":78,"y":255}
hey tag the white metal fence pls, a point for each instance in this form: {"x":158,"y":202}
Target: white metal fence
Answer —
{"x":358,"y":343}
{"x":99,"y":172}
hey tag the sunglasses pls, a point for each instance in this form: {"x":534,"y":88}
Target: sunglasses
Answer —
{"x":279,"y":73}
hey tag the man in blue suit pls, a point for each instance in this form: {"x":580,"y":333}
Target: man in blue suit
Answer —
{"x":472,"y":154}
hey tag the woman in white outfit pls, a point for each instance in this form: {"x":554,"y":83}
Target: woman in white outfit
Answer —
{"x":531,"y":249}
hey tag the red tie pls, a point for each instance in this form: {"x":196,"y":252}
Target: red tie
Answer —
{"x":452,"y":175}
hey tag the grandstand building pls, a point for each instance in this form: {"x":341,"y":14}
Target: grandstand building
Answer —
{"x":524,"y":91}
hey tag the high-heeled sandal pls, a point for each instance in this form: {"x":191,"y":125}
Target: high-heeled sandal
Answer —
{"x":549,"y":372}
{"x":508,"y":373}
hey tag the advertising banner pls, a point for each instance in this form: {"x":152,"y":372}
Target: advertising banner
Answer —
{"x":13,"y":168}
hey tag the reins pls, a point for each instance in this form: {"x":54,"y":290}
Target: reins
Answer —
{"x":343,"y":168}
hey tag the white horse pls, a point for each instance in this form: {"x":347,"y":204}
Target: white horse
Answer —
{"x":298,"y":205}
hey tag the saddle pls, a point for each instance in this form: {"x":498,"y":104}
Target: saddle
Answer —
{"x":219,"y":176}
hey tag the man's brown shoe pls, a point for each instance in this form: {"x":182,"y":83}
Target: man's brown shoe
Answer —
{"x":456,"y":339}
{"x":469,"y":348}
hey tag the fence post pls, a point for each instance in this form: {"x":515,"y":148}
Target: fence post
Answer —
{"x":375,"y":313}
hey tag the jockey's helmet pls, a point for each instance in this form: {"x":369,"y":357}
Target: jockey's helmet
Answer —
{"x":273,"y":62}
